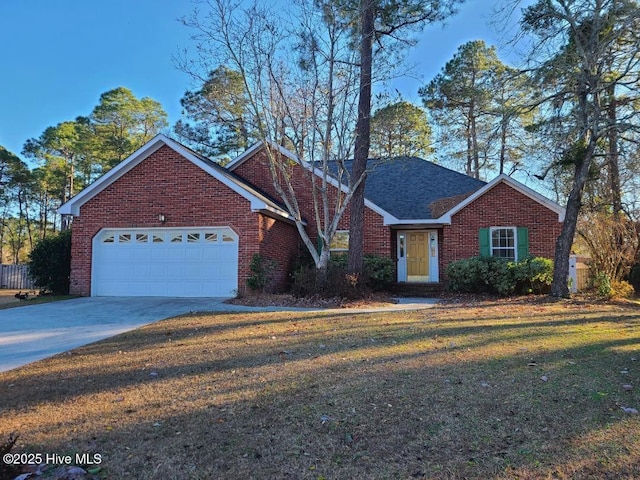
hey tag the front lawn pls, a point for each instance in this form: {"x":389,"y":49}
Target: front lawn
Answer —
{"x":508,"y":389}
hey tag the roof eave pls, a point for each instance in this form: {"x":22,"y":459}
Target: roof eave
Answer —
{"x":275,"y":213}
{"x":431,"y":222}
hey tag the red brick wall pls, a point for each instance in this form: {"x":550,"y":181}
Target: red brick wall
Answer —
{"x":502,"y":206}
{"x":279,"y":241}
{"x":169,"y":184}
{"x":377,"y":238}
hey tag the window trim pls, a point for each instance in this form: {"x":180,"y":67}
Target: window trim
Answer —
{"x":515,"y":243}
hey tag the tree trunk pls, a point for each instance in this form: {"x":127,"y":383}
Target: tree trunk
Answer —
{"x":503,"y":142}
{"x":474,"y":144}
{"x":560,"y":284}
{"x":613,"y":157}
{"x":363,"y":133}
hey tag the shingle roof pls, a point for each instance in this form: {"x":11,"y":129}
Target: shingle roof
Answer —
{"x":412,"y":188}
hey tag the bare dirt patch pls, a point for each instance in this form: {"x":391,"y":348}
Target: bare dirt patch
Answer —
{"x":491,"y":389}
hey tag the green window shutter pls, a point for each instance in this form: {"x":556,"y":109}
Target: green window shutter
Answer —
{"x":485,"y":245}
{"x":523,"y":243}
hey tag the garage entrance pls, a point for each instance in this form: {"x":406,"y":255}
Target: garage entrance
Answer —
{"x":165,"y":262}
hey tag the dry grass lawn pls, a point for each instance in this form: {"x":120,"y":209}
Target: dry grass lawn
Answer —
{"x":513,"y":389}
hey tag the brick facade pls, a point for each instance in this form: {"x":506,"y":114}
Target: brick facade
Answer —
{"x":502,"y":206}
{"x":377,"y":237}
{"x":166,"y":183}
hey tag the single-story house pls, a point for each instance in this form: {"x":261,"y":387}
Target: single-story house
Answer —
{"x":168,"y":221}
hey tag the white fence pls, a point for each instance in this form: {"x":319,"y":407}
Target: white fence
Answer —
{"x":15,"y":277}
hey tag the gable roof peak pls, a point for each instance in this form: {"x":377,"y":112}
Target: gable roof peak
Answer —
{"x":259,"y":201}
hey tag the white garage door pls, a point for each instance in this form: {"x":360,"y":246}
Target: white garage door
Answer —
{"x":165,"y":262}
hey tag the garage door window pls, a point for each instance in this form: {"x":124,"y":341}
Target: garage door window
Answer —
{"x":142,"y":237}
{"x":176,"y":238}
{"x":124,"y":238}
{"x":158,"y":238}
{"x":193,"y":237}
{"x":108,"y":238}
{"x":211,"y":237}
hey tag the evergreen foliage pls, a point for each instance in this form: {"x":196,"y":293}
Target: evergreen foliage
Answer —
{"x":50,"y":263}
{"x":498,"y":276}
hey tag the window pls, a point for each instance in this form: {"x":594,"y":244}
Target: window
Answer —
{"x":193,"y":237}
{"x":503,"y":243}
{"x":340,"y":242}
{"x":142,"y":237}
{"x":511,"y":243}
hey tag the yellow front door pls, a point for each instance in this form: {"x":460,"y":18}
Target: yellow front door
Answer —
{"x":417,"y":257}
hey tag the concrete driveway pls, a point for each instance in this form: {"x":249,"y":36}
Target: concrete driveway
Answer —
{"x":34,"y":332}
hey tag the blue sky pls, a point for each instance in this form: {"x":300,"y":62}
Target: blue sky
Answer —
{"x":58,"y":56}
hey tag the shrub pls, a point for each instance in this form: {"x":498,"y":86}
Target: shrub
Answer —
{"x":262,"y":270}
{"x":534,"y":275}
{"x":378,"y":274}
{"x":466,"y":276}
{"x":500,"y":276}
{"x":621,"y":289}
{"x":602,"y":284}
{"x":332,"y":281}
{"x":50,"y":263}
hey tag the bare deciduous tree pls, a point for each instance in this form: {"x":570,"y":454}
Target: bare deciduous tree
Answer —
{"x":298,"y":77}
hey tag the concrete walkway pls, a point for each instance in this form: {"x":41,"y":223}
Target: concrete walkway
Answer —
{"x":33,"y":332}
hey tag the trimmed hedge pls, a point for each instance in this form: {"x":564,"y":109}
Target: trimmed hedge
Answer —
{"x":499,"y":276}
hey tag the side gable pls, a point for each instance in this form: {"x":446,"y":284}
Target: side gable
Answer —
{"x":528,"y":192}
{"x":258,"y":201}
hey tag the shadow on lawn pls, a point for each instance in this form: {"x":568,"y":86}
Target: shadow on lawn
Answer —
{"x":348,"y":400}
{"x":73,"y":373}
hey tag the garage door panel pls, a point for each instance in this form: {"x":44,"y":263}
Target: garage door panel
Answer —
{"x":156,"y":270}
{"x":192,"y":262}
{"x":194,"y":255}
{"x":157,"y":253}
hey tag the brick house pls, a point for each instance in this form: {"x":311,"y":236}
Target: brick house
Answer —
{"x":169,"y":222}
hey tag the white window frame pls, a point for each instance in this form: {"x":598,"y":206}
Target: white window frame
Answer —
{"x":515,"y":243}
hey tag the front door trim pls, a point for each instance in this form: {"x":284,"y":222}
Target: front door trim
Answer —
{"x":432,"y":247}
